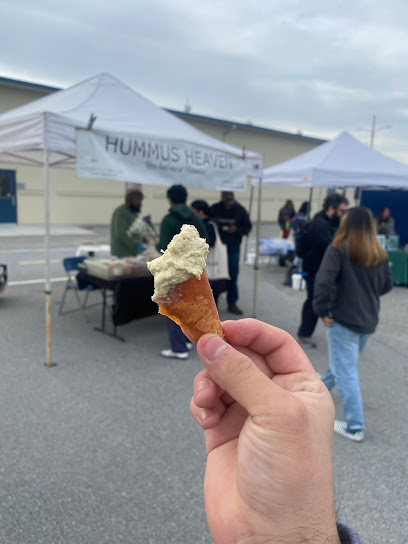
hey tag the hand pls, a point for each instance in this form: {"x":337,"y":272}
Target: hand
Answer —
{"x":327,"y":321}
{"x":268,"y":422}
{"x":231,"y":229}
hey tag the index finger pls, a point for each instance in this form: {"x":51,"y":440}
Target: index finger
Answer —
{"x":280,"y":350}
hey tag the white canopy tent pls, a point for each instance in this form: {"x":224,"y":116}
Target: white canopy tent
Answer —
{"x":44,"y":133}
{"x":343,"y":162}
{"x":50,"y":123}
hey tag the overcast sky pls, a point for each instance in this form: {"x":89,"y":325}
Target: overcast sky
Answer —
{"x":315,"y":66}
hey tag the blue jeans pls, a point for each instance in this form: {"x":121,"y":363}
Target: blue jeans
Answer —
{"x":178,"y":341}
{"x":344,"y":349}
{"x":233,"y":265}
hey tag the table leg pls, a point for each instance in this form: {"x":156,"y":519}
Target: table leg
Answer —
{"x":103,"y":325}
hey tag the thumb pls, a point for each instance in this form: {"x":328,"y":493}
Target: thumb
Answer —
{"x":238,"y":375}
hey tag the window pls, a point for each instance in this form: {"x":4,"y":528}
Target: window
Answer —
{"x":5,"y":185}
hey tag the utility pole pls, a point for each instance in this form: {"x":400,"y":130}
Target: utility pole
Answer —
{"x":372,"y":132}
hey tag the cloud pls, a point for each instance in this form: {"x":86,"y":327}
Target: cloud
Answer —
{"x":286,"y":64}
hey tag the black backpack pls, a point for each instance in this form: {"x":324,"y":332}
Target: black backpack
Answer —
{"x":302,"y":239}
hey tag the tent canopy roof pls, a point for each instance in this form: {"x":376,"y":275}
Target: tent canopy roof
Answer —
{"x":342,"y":162}
{"x":50,"y":122}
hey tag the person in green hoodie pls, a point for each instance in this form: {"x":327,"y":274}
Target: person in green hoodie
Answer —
{"x":179,"y":214}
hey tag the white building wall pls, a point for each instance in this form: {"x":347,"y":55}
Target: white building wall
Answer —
{"x":275,"y":147}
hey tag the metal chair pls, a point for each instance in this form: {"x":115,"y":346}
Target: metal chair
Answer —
{"x":70,"y":265}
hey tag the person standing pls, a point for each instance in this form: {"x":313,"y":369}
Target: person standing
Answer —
{"x":385,"y":222}
{"x":234,"y":223}
{"x":202,"y":209}
{"x":353,"y":275}
{"x":179,"y":215}
{"x":284,"y":217}
{"x":299,"y":219}
{"x":123,"y":245}
{"x":318,"y":236}
{"x":296,"y":223}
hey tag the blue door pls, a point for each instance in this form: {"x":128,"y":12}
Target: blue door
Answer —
{"x":8,"y":200}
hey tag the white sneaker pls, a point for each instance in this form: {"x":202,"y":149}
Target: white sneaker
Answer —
{"x":340,"y":427}
{"x":170,"y":354}
{"x":189,"y":346}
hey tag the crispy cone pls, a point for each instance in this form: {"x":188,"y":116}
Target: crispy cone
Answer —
{"x":191,"y":305}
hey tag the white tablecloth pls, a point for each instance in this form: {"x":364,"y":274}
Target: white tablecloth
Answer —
{"x":101,"y":251}
{"x":275,"y":246}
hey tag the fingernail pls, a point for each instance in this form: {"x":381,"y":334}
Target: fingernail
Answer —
{"x":202,"y":384}
{"x":203,"y":414}
{"x":214,"y":347}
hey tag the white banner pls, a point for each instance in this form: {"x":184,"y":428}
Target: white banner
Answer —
{"x":254,"y":166}
{"x":157,"y":161}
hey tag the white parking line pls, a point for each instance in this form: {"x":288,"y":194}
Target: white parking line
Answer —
{"x":29,"y":282}
{"x":69,"y":250}
{"x":40,"y":261}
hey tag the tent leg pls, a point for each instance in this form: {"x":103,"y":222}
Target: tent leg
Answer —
{"x":48,"y":361}
{"x":251,"y":198}
{"x":310,"y":202}
{"x":357,"y":196}
{"x":48,"y":327}
{"x":258,"y":226}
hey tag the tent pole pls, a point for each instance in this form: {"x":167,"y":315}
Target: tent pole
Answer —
{"x":47,"y":260}
{"x":251,"y":198}
{"x":258,"y":225}
{"x":310,"y":202}
{"x":357,"y":196}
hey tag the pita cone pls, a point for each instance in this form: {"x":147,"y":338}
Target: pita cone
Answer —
{"x":182,"y":290}
{"x":191,"y":305}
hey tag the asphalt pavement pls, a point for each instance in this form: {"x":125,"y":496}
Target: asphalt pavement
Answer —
{"x":102,"y":449}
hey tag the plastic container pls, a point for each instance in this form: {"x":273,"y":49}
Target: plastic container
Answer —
{"x":382,"y":239}
{"x":297,"y":281}
{"x":393,"y":242}
{"x":251,"y":258}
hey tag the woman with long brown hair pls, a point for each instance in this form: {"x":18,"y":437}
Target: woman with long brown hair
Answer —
{"x":353,"y":275}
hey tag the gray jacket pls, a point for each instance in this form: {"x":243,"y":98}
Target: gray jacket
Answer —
{"x":350,"y":293}
{"x":386,"y":227}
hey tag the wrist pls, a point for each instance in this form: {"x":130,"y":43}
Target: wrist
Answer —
{"x":302,"y":535}
{"x":305,"y":527}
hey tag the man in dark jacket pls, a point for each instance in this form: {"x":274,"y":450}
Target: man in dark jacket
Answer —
{"x":179,"y":214}
{"x":233,"y":223}
{"x":319,"y":235}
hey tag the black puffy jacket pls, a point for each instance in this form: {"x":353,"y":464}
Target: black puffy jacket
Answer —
{"x":320,"y":234}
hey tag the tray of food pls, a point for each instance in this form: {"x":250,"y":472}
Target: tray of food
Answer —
{"x":118,"y":268}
